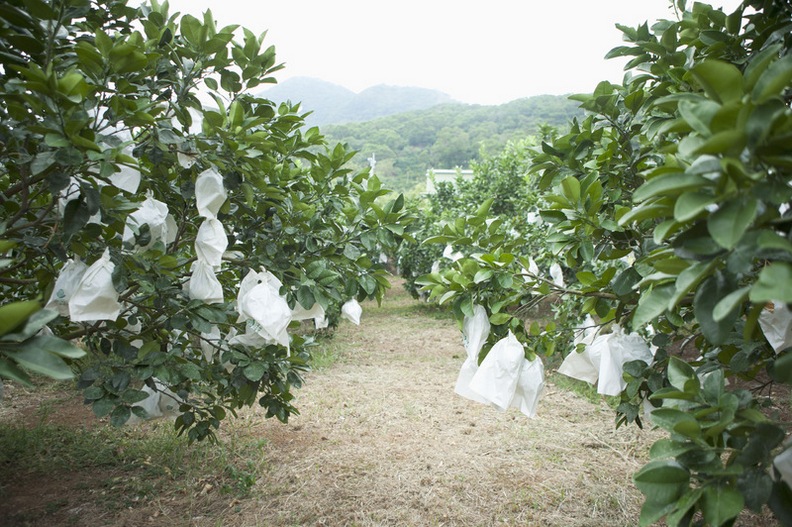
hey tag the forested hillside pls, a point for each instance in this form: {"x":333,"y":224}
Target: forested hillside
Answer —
{"x":446,"y":136}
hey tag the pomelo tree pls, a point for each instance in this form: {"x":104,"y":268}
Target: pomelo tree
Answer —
{"x":668,"y":208}
{"x":177,"y":225}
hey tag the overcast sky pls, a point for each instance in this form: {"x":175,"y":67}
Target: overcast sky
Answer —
{"x":477,"y":52}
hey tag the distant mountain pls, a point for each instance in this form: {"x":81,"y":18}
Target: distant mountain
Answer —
{"x":333,"y":104}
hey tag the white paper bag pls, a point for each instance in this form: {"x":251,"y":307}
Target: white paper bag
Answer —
{"x":210,"y":343}
{"x":530,"y":387}
{"x":67,"y":282}
{"x":211,"y":242}
{"x":251,"y":280}
{"x":621,"y":348}
{"x":161,"y":402}
{"x":584,"y":366}
{"x":776,"y":323}
{"x":352,"y":311}
{"x":317,"y":313}
{"x":71,"y":193}
{"x":475,"y":331}
{"x":95,"y":298}
{"x":153,"y":212}
{"x":203,"y":284}
{"x":783,"y":463}
{"x":557,"y":274}
{"x":150,"y":404}
{"x":251,"y":338}
{"x":127,"y":178}
{"x":449,"y":253}
{"x":262,"y":303}
{"x":498,"y":374}
{"x":186,"y":160}
{"x":210,"y":194}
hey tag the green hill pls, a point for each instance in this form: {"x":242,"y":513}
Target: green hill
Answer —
{"x":446,"y":136}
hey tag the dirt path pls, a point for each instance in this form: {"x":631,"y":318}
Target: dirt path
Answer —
{"x":383,"y":440}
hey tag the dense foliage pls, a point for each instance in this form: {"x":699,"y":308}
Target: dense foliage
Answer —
{"x":668,"y":207}
{"x":447,"y":136}
{"x":500,"y":177}
{"x":111,"y":156}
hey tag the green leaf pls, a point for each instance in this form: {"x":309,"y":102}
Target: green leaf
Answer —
{"x":571,"y":189}
{"x":93,"y":393}
{"x":771,"y":240}
{"x":484,"y":208}
{"x":683,"y":506}
{"x":102,"y":407}
{"x":676,"y":421}
{"x":13,"y":314}
{"x":662,"y":481}
{"x":708,"y":295}
{"x":130,"y":395}
{"x":651,"y":512}
{"x":756,"y":487}
{"x":645,"y":211}
{"x":669,"y":184}
{"x":720,"y":504}
{"x":482,"y":275}
{"x":120,"y":416}
{"x":781,"y":370}
{"x":689,"y":279}
{"x":691,"y":204}
{"x":351,"y":252}
{"x":497,"y":319}
{"x":780,"y":502}
{"x":713,"y":386}
{"x":668,"y":448}
{"x":33,"y":325}
{"x":306,"y":297}
{"x":774,"y":283}
{"x":721,"y":80}
{"x":682,"y":376}
{"x":255,"y":371}
{"x":773,"y":81}
{"x":623,"y":284}
{"x":190,"y":370}
{"x":699,"y":114}
{"x":652,"y":304}
{"x":42,"y":361}
{"x":9,"y":370}
{"x":728,"y":304}
{"x":728,"y":224}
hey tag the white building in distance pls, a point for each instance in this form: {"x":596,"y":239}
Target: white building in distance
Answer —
{"x":434,"y":176}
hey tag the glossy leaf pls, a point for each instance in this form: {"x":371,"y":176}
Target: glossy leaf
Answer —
{"x":720,"y":504}
{"x":728,"y":224}
{"x":721,"y":80}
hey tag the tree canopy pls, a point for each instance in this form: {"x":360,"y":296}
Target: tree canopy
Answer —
{"x":666,"y":209}
{"x":177,"y":227}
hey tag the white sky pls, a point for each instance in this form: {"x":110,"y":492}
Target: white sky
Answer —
{"x":477,"y":52}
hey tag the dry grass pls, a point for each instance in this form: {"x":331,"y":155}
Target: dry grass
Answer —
{"x":382,"y":440}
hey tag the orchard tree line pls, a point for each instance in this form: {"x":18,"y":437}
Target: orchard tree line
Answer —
{"x":177,"y":228}
{"x":666,"y":210}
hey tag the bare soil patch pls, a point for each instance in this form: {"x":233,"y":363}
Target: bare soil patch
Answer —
{"x":382,"y":440}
